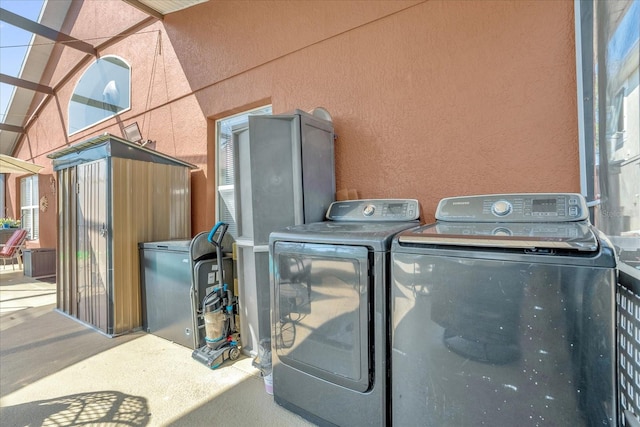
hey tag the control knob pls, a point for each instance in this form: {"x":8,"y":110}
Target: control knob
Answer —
{"x":369,"y":210}
{"x":501,"y":208}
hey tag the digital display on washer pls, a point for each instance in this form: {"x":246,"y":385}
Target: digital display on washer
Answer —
{"x":544,"y":205}
{"x":395,"y":208}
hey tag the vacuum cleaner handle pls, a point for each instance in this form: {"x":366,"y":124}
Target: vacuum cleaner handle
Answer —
{"x":215,"y":238}
{"x":212,"y":234}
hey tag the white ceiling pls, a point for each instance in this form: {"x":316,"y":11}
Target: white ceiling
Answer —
{"x":167,"y":6}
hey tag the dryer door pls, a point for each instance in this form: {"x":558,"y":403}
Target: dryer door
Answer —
{"x":320,"y":311}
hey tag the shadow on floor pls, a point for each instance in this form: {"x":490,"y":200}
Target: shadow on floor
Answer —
{"x":45,"y":344}
{"x":95,"y":408}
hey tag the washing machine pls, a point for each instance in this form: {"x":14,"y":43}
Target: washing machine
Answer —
{"x":503,"y":315}
{"x":330,"y":314}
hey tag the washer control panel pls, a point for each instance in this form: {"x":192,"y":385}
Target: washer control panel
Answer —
{"x":374,"y":210}
{"x":528,"y":207}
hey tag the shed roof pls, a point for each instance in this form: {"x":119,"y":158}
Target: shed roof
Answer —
{"x":107,"y":145}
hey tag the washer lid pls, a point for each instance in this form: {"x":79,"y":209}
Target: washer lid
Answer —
{"x":576,"y":236}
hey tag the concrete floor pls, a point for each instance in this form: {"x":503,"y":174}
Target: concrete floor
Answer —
{"x":55,"y":371}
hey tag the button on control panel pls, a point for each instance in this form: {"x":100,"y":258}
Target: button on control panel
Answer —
{"x":374,"y":210}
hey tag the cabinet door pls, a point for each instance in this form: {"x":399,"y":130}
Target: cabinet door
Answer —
{"x":318,"y":169}
{"x":92,"y":243}
{"x":276,"y":174}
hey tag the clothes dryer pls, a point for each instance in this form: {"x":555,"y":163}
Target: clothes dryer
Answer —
{"x":329,"y":310}
{"x":503,"y":315}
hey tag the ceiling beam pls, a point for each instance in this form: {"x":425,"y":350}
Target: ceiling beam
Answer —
{"x":11,"y":128}
{"x":146,"y":9}
{"x":14,"y":81}
{"x":74,"y":70}
{"x":44,"y":31}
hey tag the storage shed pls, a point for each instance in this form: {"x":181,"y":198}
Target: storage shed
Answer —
{"x":113,"y":194}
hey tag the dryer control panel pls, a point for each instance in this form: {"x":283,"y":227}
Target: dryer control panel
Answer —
{"x":527,"y":207}
{"x":374,"y":210}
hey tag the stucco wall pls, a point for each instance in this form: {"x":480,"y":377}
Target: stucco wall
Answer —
{"x":429,"y":99}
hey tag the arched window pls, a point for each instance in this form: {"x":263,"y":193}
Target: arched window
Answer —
{"x":103,"y":91}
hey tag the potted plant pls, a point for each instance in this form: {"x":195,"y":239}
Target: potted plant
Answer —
{"x":9,"y":223}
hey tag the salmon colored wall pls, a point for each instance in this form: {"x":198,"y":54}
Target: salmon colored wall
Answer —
{"x":47,"y":231}
{"x":47,"y":187}
{"x":429,"y":98}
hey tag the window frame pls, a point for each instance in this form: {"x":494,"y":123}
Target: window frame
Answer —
{"x":33,"y":182}
{"x":584,"y":85}
{"x":598,"y":93}
{"x":592,"y":107}
{"x":75,"y":88}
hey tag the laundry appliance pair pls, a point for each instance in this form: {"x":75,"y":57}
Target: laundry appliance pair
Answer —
{"x":501,"y":312}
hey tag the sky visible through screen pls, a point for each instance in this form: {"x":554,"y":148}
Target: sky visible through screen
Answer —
{"x":14,"y":44}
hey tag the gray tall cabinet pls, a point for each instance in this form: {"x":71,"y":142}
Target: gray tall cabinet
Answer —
{"x":285,"y":177}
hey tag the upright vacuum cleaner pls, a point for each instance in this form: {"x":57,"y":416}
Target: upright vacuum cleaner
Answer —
{"x":219,"y":308}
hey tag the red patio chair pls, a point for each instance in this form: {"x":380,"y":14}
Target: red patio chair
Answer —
{"x":14,"y":247}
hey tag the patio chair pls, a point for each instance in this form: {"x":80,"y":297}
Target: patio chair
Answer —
{"x":13,"y":248}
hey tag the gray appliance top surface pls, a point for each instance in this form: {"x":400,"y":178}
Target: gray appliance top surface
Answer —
{"x":375,"y":234}
{"x":576,"y":236}
{"x":171,"y":245}
{"x":533,"y":221}
{"x":363,"y":222}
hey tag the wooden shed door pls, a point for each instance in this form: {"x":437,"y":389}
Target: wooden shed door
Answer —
{"x":92,"y":244}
